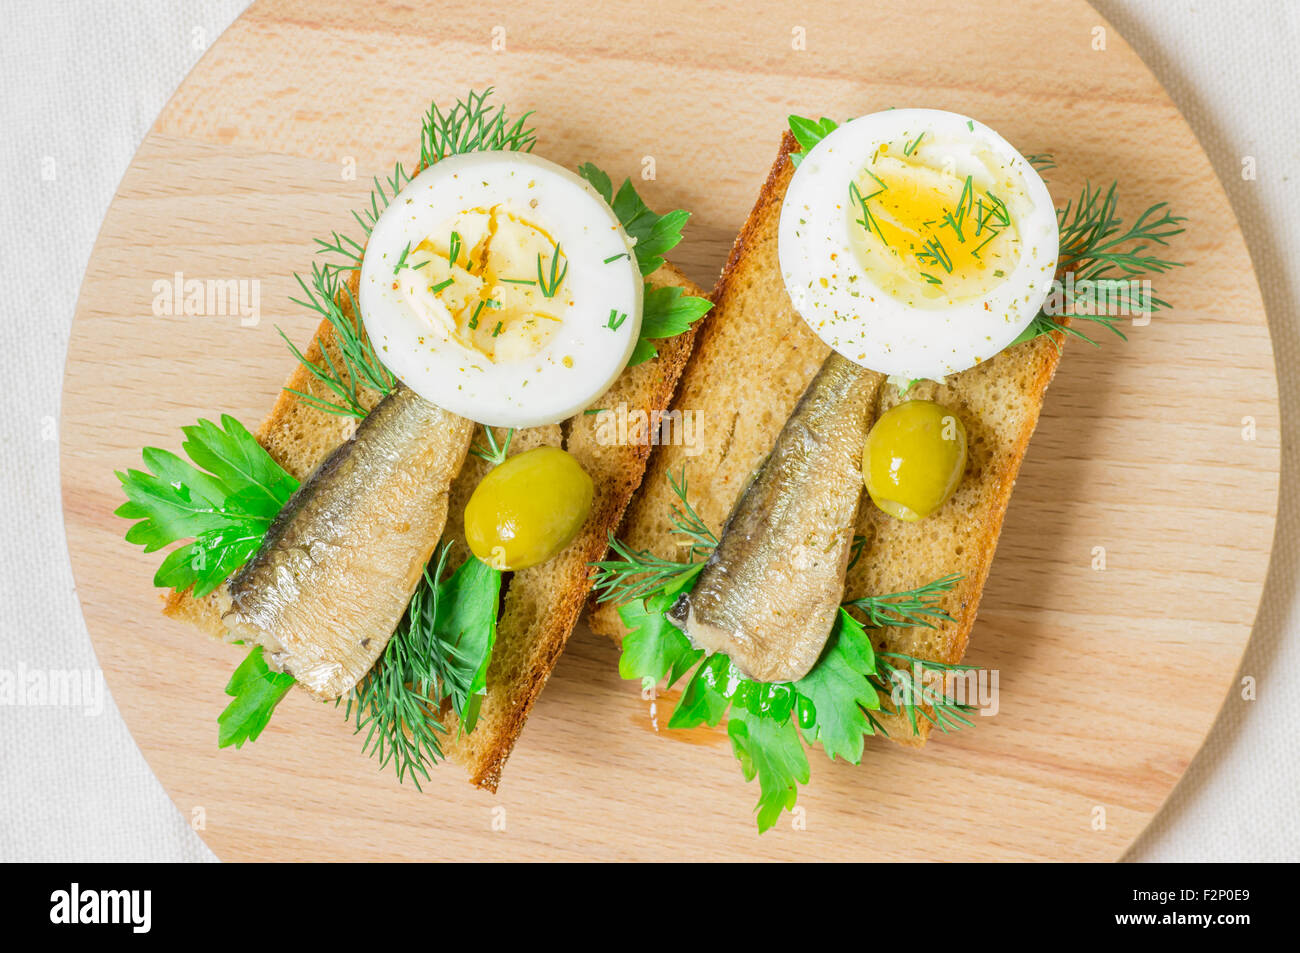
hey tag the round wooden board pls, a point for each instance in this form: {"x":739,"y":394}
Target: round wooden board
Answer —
{"x":1109,"y":677}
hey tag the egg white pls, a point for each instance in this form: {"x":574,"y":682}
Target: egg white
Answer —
{"x":583,"y":356}
{"x":837,"y":297}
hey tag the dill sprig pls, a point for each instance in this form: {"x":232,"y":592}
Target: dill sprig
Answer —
{"x":473,"y":126}
{"x":867,"y":221}
{"x":437,"y":658}
{"x":638,"y":573}
{"x":495,"y":452}
{"x":381,"y":196}
{"x":855,"y":549}
{"x":1097,"y":246}
{"x":911,"y":607}
{"x":899,"y":683}
{"x":361,"y":367}
{"x":688,"y":523}
{"x":345,"y":248}
{"x":1041,"y":161}
{"x":549,"y":286}
{"x":392,"y":703}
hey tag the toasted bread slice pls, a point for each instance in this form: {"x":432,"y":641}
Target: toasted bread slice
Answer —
{"x":541,"y":604}
{"x":752,"y":361}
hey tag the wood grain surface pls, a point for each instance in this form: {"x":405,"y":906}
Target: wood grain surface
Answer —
{"x":1109,"y":678}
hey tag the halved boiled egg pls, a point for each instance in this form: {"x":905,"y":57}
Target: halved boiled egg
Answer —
{"x":917,"y":242}
{"x":501,"y":287}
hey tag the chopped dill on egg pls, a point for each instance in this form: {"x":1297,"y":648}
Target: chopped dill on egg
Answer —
{"x":551,"y":286}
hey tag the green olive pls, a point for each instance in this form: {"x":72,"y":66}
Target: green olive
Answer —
{"x":528,"y":509}
{"x":914,"y":458}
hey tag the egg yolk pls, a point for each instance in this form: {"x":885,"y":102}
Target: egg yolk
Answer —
{"x":926,"y":234}
{"x":491,"y":281}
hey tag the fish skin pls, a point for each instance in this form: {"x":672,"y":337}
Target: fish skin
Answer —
{"x":340,"y":562}
{"x":769,"y":594}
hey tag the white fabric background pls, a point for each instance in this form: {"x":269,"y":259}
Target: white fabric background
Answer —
{"x":84,"y":79}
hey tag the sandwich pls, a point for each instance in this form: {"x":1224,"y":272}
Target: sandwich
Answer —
{"x":883,"y":335}
{"x":409,"y":533}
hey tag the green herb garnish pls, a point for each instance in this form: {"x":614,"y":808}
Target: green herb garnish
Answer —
{"x":256,"y":691}
{"x":224,"y":509}
{"x":495,"y":452}
{"x":550,"y":285}
{"x":473,"y":126}
{"x":914,"y":607}
{"x":655,"y":235}
{"x":808,"y":132}
{"x":401,"y":259}
{"x":666,"y":312}
{"x":835,"y":705}
{"x":440,"y":652}
{"x":1097,"y":246}
{"x":324,"y":294}
{"x":638,"y":574}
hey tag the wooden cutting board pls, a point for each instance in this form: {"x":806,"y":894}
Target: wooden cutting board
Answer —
{"x":1157,"y":458}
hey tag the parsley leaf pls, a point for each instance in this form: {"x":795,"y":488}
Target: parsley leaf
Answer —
{"x":839,"y":690}
{"x":236,"y":458}
{"x":465,"y":630}
{"x":223,"y":509}
{"x":655,"y":235}
{"x":705,"y":699}
{"x":654,"y":648}
{"x":210,"y":558}
{"x":666,"y":313}
{"x":772,"y":752}
{"x":809,"y":132}
{"x":256,"y":690}
{"x":599,"y":180}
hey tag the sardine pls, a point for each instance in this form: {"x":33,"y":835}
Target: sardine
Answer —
{"x":340,"y":562}
{"x":769,"y":593}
